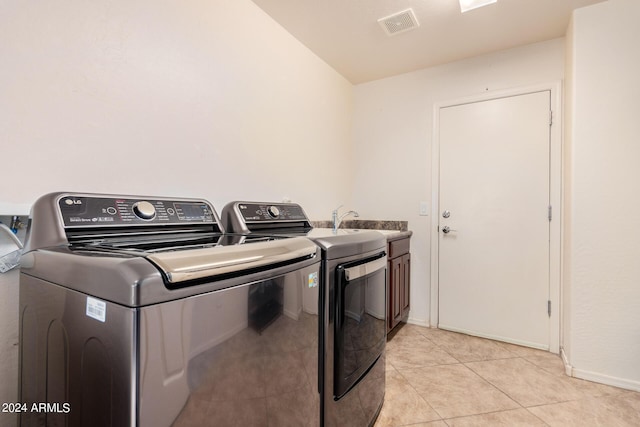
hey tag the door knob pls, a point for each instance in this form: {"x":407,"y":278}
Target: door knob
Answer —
{"x":446,"y":214}
{"x":447,"y":230}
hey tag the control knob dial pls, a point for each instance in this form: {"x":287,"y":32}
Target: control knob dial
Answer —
{"x":273,"y":211}
{"x":144,"y":210}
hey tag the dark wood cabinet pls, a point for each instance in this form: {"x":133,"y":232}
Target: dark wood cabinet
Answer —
{"x":399,"y":282}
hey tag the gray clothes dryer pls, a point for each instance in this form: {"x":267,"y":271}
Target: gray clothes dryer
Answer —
{"x":353,"y":297}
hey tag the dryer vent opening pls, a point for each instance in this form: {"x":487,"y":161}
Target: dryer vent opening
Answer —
{"x":399,"y":22}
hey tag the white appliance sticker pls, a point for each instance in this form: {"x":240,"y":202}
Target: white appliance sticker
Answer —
{"x":96,"y":309}
{"x":313,"y":279}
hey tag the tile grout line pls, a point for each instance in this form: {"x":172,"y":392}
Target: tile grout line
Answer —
{"x":503,"y":391}
{"x":494,"y":412}
{"x":417,"y":393}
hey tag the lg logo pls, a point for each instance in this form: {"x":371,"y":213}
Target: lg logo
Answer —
{"x":72,"y":202}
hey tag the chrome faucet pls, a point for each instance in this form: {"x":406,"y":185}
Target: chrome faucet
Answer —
{"x":337,"y":219}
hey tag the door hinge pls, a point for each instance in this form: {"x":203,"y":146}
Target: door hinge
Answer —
{"x":550,"y":117}
{"x":550,"y":213}
{"x":549,"y":307}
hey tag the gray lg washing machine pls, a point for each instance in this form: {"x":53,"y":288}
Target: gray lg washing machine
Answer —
{"x":141,"y":311}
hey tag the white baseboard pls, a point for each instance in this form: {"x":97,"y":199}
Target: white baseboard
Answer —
{"x":419,"y":322}
{"x":568,"y":369}
{"x":606,"y":379}
{"x":597,"y":377}
{"x":495,"y":337}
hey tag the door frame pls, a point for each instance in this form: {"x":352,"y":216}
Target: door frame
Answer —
{"x":555,"y":197}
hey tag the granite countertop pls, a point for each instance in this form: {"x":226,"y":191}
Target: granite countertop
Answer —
{"x":393,"y":230}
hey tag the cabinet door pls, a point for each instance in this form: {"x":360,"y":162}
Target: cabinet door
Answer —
{"x":395,"y":291}
{"x":405,"y":282}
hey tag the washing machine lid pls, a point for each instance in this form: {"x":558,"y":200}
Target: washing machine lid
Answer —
{"x":185,"y":265}
{"x":181,"y":259}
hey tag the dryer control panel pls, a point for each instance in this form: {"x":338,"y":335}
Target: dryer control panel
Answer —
{"x":92,"y":211}
{"x":271,"y":212}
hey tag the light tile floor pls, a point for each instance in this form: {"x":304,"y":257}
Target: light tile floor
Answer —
{"x":438,"y":378}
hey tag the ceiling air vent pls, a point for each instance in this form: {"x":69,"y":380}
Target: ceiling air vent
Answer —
{"x":399,"y":22}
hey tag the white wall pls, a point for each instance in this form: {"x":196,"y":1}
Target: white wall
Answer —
{"x":392,"y":135}
{"x":602,"y":247}
{"x":186,"y":98}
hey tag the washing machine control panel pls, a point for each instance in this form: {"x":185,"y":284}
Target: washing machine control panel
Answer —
{"x":271,"y":212}
{"x":90,"y":211}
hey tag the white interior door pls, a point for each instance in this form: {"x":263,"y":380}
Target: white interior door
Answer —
{"x":493,"y":262}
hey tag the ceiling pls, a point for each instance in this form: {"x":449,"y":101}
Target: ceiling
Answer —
{"x":346,"y":33}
